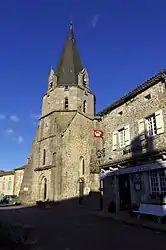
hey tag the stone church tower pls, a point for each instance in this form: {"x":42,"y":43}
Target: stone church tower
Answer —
{"x":62,"y":152}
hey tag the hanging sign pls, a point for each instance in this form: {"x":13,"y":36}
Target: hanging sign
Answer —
{"x":98,"y":133}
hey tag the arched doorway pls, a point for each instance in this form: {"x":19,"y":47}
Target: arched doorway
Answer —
{"x":43,"y":189}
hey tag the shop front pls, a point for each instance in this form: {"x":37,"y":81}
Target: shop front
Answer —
{"x":129,"y":186}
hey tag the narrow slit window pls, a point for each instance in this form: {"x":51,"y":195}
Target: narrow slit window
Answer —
{"x":44,"y":157}
{"x":83,"y":167}
{"x":84,"y":106}
{"x":66,"y":103}
{"x":51,"y":84}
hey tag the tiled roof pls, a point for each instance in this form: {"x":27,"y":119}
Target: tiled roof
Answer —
{"x":20,"y":168}
{"x":152,"y":81}
{"x":4,"y":173}
{"x":69,"y":64}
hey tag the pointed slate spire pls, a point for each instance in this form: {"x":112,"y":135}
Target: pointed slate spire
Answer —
{"x":69,"y":64}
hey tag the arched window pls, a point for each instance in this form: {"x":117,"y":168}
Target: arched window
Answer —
{"x":84,"y":106}
{"x":83,"y":167}
{"x":66,"y":103}
{"x":44,"y":156}
{"x":45,"y":188}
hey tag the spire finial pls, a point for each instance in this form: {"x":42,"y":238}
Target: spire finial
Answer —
{"x":71,"y":23}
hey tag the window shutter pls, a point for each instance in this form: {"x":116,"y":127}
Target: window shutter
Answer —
{"x":127,"y":135}
{"x":141,"y":129}
{"x":115,"y":140}
{"x":159,"y":122}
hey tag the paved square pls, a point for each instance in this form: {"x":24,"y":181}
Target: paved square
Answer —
{"x":67,"y":228}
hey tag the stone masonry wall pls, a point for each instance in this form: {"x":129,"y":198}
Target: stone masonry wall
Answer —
{"x":77,"y":143}
{"x":18,"y":181}
{"x":132,"y":112}
{"x":95,"y":182}
{"x":54,"y":100}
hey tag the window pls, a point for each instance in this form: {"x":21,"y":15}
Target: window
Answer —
{"x":9,"y":184}
{"x":51,"y":84}
{"x":3,"y":183}
{"x":44,"y":157}
{"x":157,"y":182}
{"x":124,"y":137}
{"x":66,"y":88}
{"x":120,"y":113}
{"x":84,"y":106}
{"x":121,"y":138}
{"x":151,"y":125}
{"x":82,"y":167}
{"x":147,"y":97}
{"x":66,"y":103}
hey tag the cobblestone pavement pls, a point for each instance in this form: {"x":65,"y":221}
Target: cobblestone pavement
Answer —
{"x":67,"y":228}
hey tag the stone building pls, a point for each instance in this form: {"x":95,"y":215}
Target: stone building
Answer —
{"x":1,"y":182}
{"x":18,"y":177}
{"x":62,"y":153}
{"x":135,"y":146}
{"x":10,"y":181}
{"x":65,"y":157}
{"x":7,"y":182}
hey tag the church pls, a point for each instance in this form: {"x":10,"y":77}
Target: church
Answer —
{"x":126,"y":141}
{"x":63,"y":152}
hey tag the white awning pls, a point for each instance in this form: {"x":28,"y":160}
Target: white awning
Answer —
{"x":138,"y":168}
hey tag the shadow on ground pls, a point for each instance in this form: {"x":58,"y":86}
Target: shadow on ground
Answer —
{"x":71,"y":226}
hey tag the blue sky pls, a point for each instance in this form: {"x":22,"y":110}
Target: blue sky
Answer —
{"x":121,"y":42}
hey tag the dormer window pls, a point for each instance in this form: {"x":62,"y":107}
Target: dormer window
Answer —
{"x":66,"y":103}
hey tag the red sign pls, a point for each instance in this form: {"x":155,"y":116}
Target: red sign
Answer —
{"x":98,"y":133}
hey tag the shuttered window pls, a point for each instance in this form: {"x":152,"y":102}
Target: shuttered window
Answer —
{"x":127,"y":135}
{"x":159,"y":121}
{"x":121,"y":138}
{"x":141,"y":129}
{"x":155,"y":124}
{"x":115,"y":140}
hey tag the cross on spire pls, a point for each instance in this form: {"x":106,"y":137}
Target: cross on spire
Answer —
{"x":71,"y":23}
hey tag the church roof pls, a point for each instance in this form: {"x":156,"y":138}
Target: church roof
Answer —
{"x":69,"y":64}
